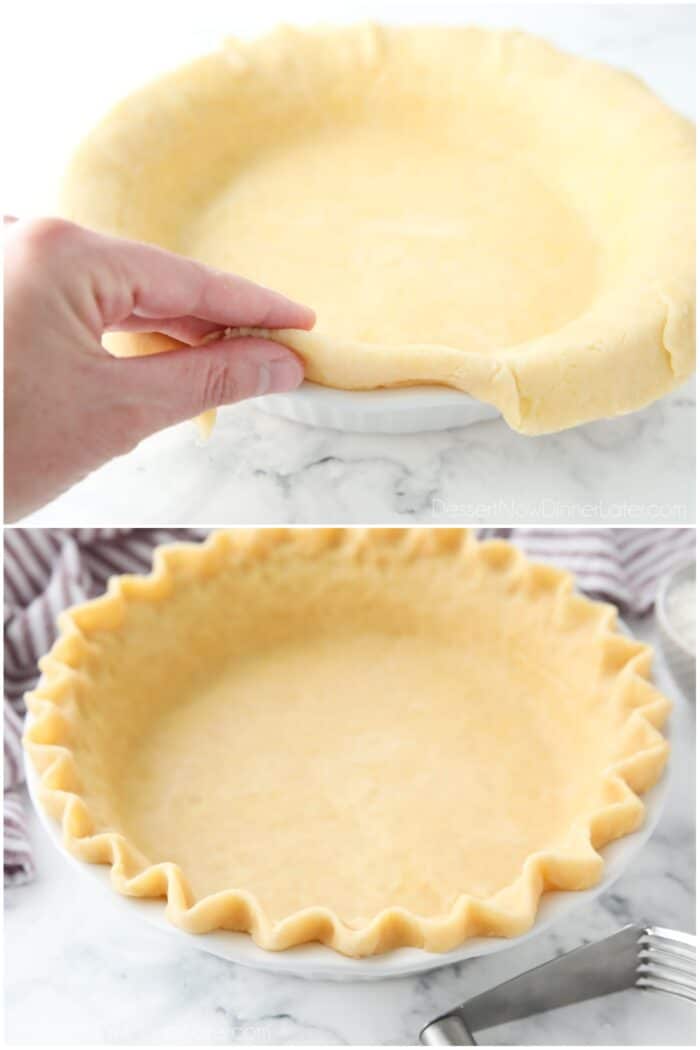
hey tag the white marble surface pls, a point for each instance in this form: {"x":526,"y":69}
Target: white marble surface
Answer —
{"x":77,"y":972}
{"x":258,"y":469}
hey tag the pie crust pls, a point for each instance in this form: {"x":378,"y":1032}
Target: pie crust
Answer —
{"x":369,"y":738}
{"x":463,"y":207}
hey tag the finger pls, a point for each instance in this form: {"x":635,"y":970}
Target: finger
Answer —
{"x":183,"y":383}
{"x":161,"y":285}
{"x":190,"y":330}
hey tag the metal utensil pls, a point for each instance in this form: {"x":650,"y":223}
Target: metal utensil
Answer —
{"x":648,"y":957}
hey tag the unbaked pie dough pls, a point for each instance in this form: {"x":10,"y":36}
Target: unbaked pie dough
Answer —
{"x":369,"y":738}
{"x":461,"y":207}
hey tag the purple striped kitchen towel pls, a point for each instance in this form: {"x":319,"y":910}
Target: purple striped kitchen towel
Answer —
{"x":622,"y":566}
{"x":47,"y":570}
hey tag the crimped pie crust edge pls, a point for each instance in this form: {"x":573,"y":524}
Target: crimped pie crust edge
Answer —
{"x":641,"y":752}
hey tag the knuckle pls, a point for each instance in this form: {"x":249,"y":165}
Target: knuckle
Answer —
{"x":39,"y":243}
{"x":218,"y":384}
{"x":47,"y":232}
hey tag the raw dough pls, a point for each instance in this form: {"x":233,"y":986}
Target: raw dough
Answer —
{"x":461,"y":206}
{"x":369,"y":738}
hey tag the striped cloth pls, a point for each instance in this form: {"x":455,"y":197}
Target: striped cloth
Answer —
{"x":622,"y":566}
{"x":47,"y":570}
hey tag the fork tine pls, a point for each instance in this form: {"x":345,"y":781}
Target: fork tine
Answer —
{"x":667,"y":973}
{"x":679,"y":936}
{"x":659,"y":936}
{"x":667,"y":962}
{"x":655,"y":984}
{"x":661,"y":957}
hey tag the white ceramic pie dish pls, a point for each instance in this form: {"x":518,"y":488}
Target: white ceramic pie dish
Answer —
{"x":408,"y":410}
{"x":318,"y":962}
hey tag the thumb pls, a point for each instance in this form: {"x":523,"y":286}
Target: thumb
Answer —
{"x":183,"y":383}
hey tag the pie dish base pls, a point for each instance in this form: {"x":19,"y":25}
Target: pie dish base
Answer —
{"x":410,"y":410}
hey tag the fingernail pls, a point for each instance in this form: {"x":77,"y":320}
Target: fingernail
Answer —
{"x":281,"y":375}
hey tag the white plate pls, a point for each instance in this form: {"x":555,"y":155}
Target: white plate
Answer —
{"x":316,"y":961}
{"x":409,"y":410}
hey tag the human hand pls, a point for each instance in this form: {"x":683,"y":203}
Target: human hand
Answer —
{"x":69,"y":405}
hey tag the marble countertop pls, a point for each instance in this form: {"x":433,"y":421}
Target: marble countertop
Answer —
{"x":257,"y":468}
{"x":77,"y":972}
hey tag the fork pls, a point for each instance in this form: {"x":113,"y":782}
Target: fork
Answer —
{"x":652,"y":958}
{"x":667,"y":962}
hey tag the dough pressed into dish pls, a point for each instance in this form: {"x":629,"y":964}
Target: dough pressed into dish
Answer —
{"x":462,"y":207}
{"x":368,"y":738}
